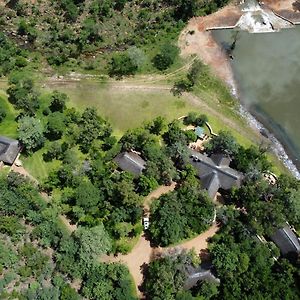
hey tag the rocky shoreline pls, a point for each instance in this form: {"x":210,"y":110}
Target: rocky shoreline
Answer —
{"x":198,"y":39}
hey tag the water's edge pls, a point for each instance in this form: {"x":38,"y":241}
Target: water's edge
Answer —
{"x":278,"y":148}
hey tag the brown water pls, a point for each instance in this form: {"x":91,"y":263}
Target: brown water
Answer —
{"x":267,"y":70}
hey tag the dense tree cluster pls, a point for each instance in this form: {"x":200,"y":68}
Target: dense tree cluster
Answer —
{"x":268,"y":206}
{"x":110,"y":25}
{"x":11,"y":56}
{"x":166,"y":57}
{"x":181,"y":214}
{"x":28,"y":227}
{"x":167,"y":275}
{"x":247,"y":267}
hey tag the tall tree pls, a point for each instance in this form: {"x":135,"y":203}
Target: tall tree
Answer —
{"x":30,"y":133}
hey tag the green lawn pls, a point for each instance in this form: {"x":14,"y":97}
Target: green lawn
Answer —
{"x":37,"y":167}
{"x":127,"y":104}
{"x":8,"y":127}
{"x":125,"y":108}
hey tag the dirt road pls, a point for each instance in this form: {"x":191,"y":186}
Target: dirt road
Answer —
{"x":200,"y":242}
{"x":142,"y":253}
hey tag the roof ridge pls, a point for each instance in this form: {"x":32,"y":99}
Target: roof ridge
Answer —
{"x":288,"y":236}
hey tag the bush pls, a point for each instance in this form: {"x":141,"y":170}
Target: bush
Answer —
{"x":122,"y":65}
{"x":166,"y":57}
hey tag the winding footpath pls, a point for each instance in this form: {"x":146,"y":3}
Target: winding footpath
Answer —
{"x":142,"y":253}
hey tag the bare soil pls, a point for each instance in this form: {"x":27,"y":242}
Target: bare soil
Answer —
{"x":71,"y":228}
{"x":143,"y":252}
{"x":197,"y":39}
{"x":284,"y":8}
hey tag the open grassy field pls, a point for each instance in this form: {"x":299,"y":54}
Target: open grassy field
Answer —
{"x":37,"y":167}
{"x":125,"y":106}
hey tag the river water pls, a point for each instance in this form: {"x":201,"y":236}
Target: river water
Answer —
{"x":266,"y":67}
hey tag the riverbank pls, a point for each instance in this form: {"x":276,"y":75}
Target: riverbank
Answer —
{"x":198,"y":39}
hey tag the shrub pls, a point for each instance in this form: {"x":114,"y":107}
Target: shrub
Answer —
{"x":2,"y":114}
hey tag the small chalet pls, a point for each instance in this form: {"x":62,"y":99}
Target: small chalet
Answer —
{"x":214,"y":172}
{"x":9,"y":150}
{"x":286,"y":240}
{"x":130,"y":162}
{"x":202,"y":273}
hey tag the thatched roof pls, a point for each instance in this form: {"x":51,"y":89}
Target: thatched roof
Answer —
{"x":194,"y":275}
{"x":9,"y":150}
{"x":214,"y":172}
{"x":130,"y":162}
{"x":286,"y":240}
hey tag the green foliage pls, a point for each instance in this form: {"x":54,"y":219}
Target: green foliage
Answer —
{"x":56,"y":125}
{"x":92,"y":127}
{"x":181,"y":86}
{"x":8,"y":257}
{"x":146,"y":185}
{"x":108,"y":281}
{"x":250,"y":159}
{"x":180,"y":214}
{"x":207,"y":290}
{"x":166,"y":57}
{"x":93,"y":242}
{"x":195,"y":71}
{"x":174,"y":134}
{"x":30,"y":132}
{"x":58,"y":101}
{"x":122,"y":65}
{"x":11,"y":226}
{"x":195,"y":119}
{"x":193,"y":77}
{"x":224,"y":143}
{"x":166,"y":276}
{"x":157,"y":126}
{"x":10,"y":54}
{"x":239,"y":259}
{"x":55,"y":151}
{"x":35,"y":262}
{"x":2,"y":114}
{"x":22,"y":93}
{"x":27,"y":29}
{"x":167,"y":222}
{"x":70,"y":9}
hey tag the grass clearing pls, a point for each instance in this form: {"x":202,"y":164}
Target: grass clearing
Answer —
{"x":8,"y":126}
{"x":37,"y":167}
{"x":125,"y":106}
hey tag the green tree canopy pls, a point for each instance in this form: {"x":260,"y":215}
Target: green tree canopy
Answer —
{"x":22,"y":93}
{"x":224,"y":143}
{"x":30,"y":133}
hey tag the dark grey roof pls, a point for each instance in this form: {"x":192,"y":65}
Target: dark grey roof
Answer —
{"x":194,"y":275}
{"x":9,"y":150}
{"x":214,"y":172}
{"x":130,"y":162}
{"x":220,"y":160}
{"x":286,"y":240}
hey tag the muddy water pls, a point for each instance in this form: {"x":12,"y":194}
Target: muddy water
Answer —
{"x":267,"y":71}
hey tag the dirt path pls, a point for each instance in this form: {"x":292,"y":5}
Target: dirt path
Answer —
{"x":200,"y":242}
{"x":142,"y":252}
{"x":66,"y":222}
{"x":157,"y":193}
